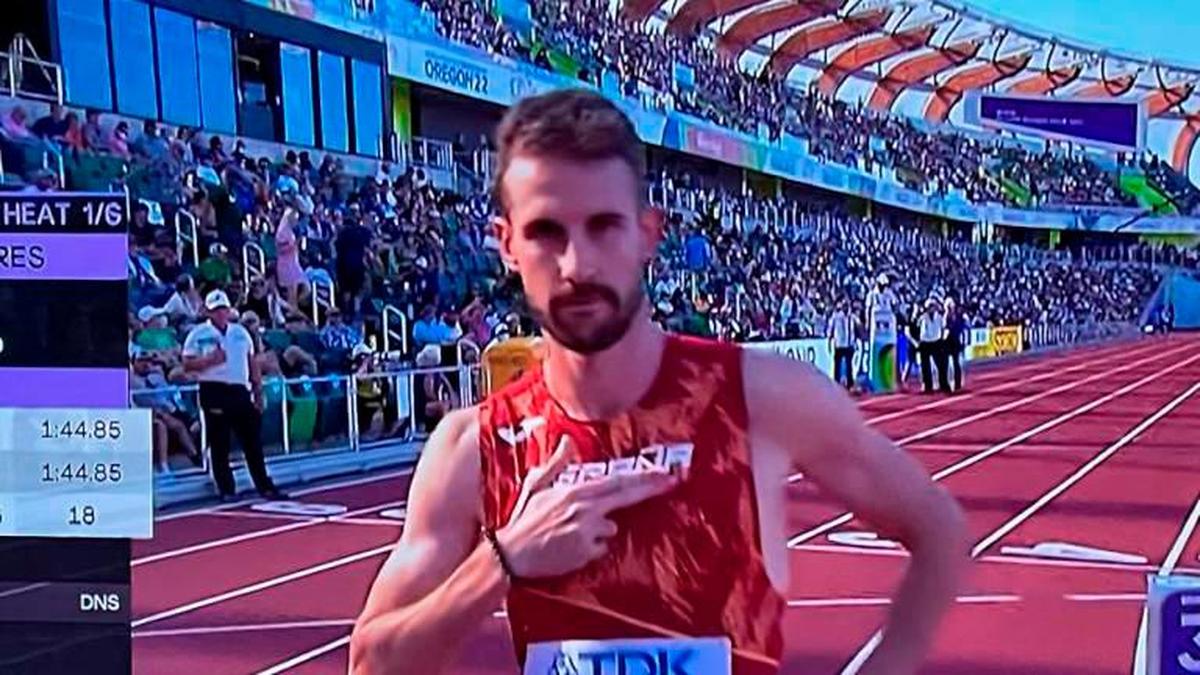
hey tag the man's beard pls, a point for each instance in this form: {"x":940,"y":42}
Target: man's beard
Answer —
{"x":593,"y":335}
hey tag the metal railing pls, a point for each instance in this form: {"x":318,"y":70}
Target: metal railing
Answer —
{"x":254,"y":262}
{"x":324,"y":295}
{"x":317,"y":415}
{"x":22,"y":55}
{"x":432,"y":153}
{"x":187,"y":237}
{"x":392,"y":313}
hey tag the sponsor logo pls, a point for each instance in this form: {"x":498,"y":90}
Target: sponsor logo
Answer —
{"x":656,"y":457}
{"x":1006,"y":340}
{"x":521,"y":433}
{"x":626,"y":662}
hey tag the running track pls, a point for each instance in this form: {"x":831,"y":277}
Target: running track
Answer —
{"x":1094,"y":447}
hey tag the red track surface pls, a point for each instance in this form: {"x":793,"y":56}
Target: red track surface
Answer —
{"x":1094,"y":447}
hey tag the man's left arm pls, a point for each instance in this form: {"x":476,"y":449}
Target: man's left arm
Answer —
{"x":798,"y":412}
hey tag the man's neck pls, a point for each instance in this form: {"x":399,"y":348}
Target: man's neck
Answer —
{"x":600,"y":386}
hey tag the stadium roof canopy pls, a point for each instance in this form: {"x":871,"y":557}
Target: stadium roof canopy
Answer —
{"x":920,"y":56}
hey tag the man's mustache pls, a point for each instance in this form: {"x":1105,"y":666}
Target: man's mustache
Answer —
{"x":584,"y":293}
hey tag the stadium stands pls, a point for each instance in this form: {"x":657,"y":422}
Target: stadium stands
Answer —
{"x":585,"y":38}
{"x":322,"y":260}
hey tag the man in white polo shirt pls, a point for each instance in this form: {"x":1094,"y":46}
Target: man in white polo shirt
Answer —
{"x":221,"y":353}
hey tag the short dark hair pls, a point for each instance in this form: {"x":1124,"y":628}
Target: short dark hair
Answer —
{"x":568,"y":124}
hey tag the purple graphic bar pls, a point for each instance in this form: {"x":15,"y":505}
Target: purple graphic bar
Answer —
{"x":64,"y":388}
{"x":82,"y":257}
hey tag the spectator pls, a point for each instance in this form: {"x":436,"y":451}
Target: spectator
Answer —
{"x":216,"y":270}
{"x":53,"y":126}
{"x":353,"y":245}
{"x":93,"y":133}
{"x":13,"y":124}
{"x":288,"y":272}
{"x":337,"y":336}
{"x":184,"y":307}
{"x":118,"y":141}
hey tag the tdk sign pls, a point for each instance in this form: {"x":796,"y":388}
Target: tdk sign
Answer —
{"x":701,"y":656}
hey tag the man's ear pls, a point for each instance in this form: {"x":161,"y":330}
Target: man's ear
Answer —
{"x":653,"y":225}
{"x":504,"y":234}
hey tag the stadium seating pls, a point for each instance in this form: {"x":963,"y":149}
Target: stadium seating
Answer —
{"x":586,"y":38}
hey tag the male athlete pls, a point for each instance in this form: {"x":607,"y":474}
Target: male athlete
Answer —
{"x":631,"y":485}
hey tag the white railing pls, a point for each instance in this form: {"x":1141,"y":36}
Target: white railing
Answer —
{"x":338,"y":434}
{"x":432,"y":153}
{"x":324,"y":296}
{"x":13,"y":63}
{"x":187,"y":237}
{"x":254,"y":262}
{"x":392,"y":313}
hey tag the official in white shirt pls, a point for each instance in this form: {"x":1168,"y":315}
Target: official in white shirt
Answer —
{"x":221,"y":353}
{"x":841,"y":338}
{"x":931,"y":327}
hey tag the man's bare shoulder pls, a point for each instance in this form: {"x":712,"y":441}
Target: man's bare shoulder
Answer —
{"x":793,"y":405}
{"x":448,"y":469}
{"x":767,"y":374}
{"x":457,"y":432}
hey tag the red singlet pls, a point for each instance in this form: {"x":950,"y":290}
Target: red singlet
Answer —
{"x":688,"y":563}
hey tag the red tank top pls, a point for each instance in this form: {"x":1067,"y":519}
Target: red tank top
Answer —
{"x":686,"y":564}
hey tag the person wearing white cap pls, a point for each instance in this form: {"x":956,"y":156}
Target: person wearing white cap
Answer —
{"x":221,"y":354}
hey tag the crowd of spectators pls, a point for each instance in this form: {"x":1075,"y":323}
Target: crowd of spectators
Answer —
{"x":784,"y":280}
{"x":396,"y":239}
{"x":598,"y":38}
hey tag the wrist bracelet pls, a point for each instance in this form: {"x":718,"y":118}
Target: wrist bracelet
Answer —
{"x":490,"y":535}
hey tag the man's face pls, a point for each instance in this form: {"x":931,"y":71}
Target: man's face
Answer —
{"x":579,"y":238}
{"x":220,"y":316}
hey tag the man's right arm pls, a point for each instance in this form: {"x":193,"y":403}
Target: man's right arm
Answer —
{"x":442,"y":580}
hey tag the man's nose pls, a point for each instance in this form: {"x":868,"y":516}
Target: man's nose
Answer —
{"x":579,"y":261}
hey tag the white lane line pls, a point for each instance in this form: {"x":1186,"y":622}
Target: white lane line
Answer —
{"x":244,"y":628}
{"x":384,"y":522}
{"x":1024,"y":435}
{"x":865,"y":652}
{"x":1050,"y":372}
{"x":270,"y":531}
{"x":1080,"y":473}
{"x":1000,"y":559}
{"x":880,"y":601}
{"x":1169,"y":566}
{"x":1185,"y":534}
{"x":306,"y":656}
{"x":298,"y":493}
{"x":1105,"y":597}
{"x":262,"y":516}
{"x":262,"y":585}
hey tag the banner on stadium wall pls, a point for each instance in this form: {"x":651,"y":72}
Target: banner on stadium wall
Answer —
{"x":811,"y":350}
{"x":979,"y":344}
{"x":1005,"y":340}
{"x":500,"y":80}
{"x":475,"y":74}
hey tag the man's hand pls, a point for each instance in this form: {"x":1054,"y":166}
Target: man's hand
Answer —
{"x":557,"y":530}
{"x":217,"y":357}
{"x":259,"y":400}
